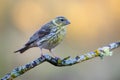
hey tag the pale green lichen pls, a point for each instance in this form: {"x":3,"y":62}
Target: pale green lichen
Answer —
{"x":105,"y":51}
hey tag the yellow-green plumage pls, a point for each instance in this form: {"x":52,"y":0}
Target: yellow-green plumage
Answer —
{"x":49,"y":36}
{"x":57,"y":38}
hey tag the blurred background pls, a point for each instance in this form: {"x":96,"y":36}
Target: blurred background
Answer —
{"x":94,"y":23}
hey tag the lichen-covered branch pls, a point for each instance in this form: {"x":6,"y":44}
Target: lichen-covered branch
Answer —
{"x":68,"y":61}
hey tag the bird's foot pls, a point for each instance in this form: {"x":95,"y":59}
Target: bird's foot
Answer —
{"x":41,"y":54}
{"x":57,"y":58}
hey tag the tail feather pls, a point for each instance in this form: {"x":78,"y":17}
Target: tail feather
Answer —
{"x":22,"y":49}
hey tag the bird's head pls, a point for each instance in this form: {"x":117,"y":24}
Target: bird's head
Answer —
{"x":60,"y":21}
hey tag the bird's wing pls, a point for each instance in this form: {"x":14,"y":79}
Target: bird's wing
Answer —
{"x":45,"y":30}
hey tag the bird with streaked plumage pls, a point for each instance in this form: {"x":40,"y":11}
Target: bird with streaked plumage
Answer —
{"x":48,"y":36}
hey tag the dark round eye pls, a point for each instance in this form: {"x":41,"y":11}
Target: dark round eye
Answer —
{"x":62,"y":20}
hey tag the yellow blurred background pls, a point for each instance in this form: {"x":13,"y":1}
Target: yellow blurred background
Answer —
{"x":94,"y":23}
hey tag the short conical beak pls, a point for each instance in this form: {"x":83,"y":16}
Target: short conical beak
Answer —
{"x":68,"y":22}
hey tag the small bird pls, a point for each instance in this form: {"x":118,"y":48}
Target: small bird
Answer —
{"x":48,"y":36}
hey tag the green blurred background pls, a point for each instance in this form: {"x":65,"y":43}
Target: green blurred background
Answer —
{"x":94,"y":23}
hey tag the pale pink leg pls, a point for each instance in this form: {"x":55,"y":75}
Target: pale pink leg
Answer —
{"x":53,"y":54}
{"x":41,"y":53}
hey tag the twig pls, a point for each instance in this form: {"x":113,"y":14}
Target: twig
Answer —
{"x":68,"y":61}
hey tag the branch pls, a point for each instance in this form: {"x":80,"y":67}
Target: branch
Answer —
{"x":100,"y":52}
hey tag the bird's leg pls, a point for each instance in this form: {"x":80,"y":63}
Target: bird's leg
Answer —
{"x":41,"y":53}
{"x":53,"y":54}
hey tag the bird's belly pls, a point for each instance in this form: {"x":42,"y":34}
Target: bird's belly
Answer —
{"x":53,"y":40}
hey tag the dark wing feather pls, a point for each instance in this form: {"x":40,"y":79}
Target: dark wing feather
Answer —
{"x":45,"y":30}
